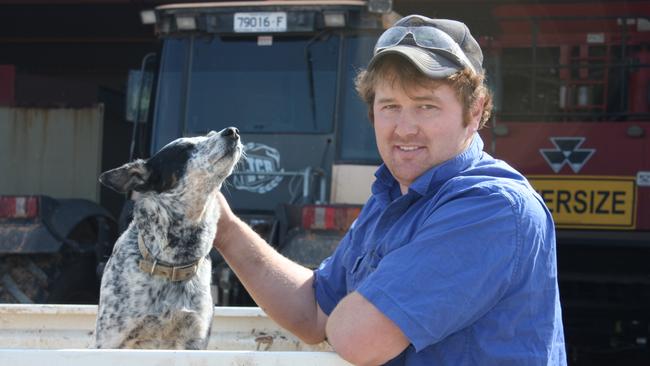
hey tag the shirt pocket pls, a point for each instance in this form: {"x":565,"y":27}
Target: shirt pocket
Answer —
{"x":363,"y":266}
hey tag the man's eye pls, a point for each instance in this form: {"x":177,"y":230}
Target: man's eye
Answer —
{"x":390,"y":107}
{"x":428,"y":106}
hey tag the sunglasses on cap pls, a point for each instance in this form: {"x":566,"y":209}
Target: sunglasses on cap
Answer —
{"x":427,"y":37}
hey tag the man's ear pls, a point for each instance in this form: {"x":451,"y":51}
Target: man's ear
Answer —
{"x":476,"y":113}
{"x":129,"y":177}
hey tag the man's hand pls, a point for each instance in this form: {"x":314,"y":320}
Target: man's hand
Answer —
{"x":361,"y":334}
{"x":226,"y":220}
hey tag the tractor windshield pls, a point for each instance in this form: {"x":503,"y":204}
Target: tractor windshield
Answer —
{"x":260,"y":85}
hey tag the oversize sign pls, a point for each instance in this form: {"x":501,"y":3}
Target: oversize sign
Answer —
{"x":589,"y":202}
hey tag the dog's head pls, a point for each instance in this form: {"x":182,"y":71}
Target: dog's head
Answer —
{"x":202,"y":162}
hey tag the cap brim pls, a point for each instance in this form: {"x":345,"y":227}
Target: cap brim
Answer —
{"x":434,"y":65}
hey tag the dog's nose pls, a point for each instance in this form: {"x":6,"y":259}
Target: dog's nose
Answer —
{"x":230,"y":131}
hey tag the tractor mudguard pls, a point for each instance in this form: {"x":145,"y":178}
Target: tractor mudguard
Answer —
{"x":70,"y":212}
{"x":27,"y":238}
{"x":58,"y":218}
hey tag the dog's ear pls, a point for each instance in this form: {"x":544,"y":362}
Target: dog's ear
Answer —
{"x":129,"y":177}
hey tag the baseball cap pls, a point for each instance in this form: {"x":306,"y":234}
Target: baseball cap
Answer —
{"x":437,"y":47}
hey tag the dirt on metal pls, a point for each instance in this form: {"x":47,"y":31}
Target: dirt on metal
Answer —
{"x":30,"y":274}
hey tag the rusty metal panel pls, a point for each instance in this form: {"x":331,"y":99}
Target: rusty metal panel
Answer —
{"x":51,"y":151}
{"x":7,"y":84}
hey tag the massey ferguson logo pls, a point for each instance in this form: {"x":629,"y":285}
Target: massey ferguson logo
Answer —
{"x":259,"y":159}
{"x":567,"y":151}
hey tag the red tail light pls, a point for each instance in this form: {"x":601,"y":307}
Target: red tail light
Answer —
{"x":18,"y":207}
{"x":329,"y":217}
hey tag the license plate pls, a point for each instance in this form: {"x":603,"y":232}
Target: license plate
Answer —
{"x":260,"y":22}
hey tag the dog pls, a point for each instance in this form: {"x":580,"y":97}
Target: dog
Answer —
{"x":155,"y":289}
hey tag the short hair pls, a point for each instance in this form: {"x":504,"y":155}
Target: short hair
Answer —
{"x":469,"y":86}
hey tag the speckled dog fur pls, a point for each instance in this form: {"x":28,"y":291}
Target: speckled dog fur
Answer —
{"x":176,"y":215}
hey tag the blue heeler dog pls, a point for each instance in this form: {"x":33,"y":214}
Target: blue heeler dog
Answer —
{"x":155,"y":290}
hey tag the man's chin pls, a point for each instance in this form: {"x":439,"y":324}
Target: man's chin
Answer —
{"x":406,"y":177}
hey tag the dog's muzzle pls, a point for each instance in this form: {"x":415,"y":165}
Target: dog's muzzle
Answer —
{"x":153,"y":267}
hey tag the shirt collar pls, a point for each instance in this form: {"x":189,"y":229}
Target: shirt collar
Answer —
{"x":433,"y":178}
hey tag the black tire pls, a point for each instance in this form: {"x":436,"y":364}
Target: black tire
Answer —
{"x":25,"y":278}
{"x":66,"y":277}
{"x":76,"y":282}
{"x":43,"y":279}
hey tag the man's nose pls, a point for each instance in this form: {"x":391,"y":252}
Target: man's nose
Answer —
{"x":406,"y":124}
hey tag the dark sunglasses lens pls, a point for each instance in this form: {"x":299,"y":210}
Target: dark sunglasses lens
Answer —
{"x":391,"y":37}
{"x":428,"y":37}
{"x":431,"y":38}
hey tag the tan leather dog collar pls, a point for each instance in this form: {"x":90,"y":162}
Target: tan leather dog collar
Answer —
{"x":151,"y":266}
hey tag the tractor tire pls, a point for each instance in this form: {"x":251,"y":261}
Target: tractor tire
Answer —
{"x":66,"y":277}
{"x":25,"y":278}
{"x":77,"y":283}
{"x":47,"y":279}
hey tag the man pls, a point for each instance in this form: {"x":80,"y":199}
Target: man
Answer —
{"x":452,"y":259}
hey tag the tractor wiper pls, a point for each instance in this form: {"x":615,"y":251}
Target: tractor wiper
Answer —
{"x":310,"y":76}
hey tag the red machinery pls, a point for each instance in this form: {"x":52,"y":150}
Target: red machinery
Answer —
{"x":572,"y":93}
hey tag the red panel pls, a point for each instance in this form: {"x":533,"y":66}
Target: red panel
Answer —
{"x":643,"y":209}
{"x":603,"y":8}
{"x":7,"y":84}
{"x":639,"y":88}
{"x":326,"y":217}
{"x":308,"y":216}
{"x":569,"y":23}
{"x":64,"y":2}
{"x":18,"y":207}
{"x":524,"y":39}
{"x":615,"y":152}
{"x":329,"y":217}
{"x":608,"y":148}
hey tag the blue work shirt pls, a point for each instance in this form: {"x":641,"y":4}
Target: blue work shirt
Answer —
{"x":464,"y":264}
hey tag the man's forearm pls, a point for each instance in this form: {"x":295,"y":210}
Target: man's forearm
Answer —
{"x":279,"y":286}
